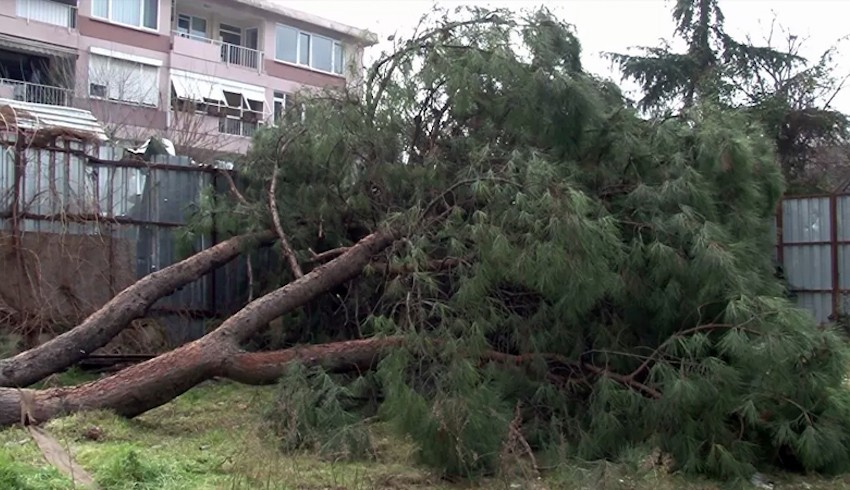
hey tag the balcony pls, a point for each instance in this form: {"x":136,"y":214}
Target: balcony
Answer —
{"x":35,"y":93}
{"x":211,"y":49}
{"x":48,"y":12}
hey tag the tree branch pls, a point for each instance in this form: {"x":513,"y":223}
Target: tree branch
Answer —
{"x":232,"y":185}
{"x":285,"y":247}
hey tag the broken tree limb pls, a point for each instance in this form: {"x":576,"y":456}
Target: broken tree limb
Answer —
{"x":152,"y":383}
{"x":258,"y":368}
{"x":101,"y":326}
{"x":232,"y":185}
{"x":145,"y":386}
{"x":286,"y":249}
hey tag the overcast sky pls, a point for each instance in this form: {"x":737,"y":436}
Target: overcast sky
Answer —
{"x":616,"y":25}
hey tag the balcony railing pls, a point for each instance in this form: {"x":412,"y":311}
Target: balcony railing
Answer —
{"x":49,"y":12}
{"x":237,"y":127}
{"x":34,"y":92}
{"x":232,"y":54}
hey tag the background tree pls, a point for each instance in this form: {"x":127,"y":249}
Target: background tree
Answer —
{"x":518,"y":256}
{"x":788,"y":94}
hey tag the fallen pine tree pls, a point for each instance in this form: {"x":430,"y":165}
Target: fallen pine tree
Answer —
{"x":505,"y":246}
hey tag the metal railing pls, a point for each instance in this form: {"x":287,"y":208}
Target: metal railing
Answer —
{"x":237,"y":127}
{"x":240,"y":55}
{"x":35,"y":93}
{"x":231,"y":54}
{"x":49,"y":12}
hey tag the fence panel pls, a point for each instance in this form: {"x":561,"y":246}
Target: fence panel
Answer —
{"x":111,"y":221}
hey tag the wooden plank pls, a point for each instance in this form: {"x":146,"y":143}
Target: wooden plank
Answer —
{"x":57,"y":456}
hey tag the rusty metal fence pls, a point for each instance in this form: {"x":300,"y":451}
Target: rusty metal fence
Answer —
{"x":813,"y":246}
{"x":119,"y":216}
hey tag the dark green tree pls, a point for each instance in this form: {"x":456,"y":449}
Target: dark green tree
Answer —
{"x":790,"y":95}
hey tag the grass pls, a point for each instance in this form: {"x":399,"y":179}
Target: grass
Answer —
{"x":212,"y":438}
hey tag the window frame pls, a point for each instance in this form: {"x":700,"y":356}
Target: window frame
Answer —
{"x":283,"y":98}
{"x":299,"y":35}
{"x":191,"y":34}
{"x":142,"y":4}
{"x":242,"y":115}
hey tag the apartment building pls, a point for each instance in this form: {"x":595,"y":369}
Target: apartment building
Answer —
{"x":203,"y":73}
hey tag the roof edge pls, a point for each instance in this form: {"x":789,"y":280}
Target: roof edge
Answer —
{"x":364,"y":37}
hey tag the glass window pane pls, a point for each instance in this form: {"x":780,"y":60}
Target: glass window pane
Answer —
{"x":304,"y":47}
{"x":199,"y":27}
{"x":338,"y":58}
{"x":286,"y":44}
{"x":100,"y":8}
{"x":322,"y":54}
{"x":151,"y":13}
{"x":127,"y":12}
{"x":183,"y":24}
{"x":278,"y":111}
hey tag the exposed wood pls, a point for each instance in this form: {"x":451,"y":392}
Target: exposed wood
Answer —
{"x":61,"y":459}
{"x":327,"y":255}
{"x":101,"y":326}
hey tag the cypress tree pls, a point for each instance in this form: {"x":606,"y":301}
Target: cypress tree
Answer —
{"x":787,"y":93}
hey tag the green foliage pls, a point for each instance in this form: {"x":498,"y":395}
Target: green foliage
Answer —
{"x":612,"y":279}
{"x":786,"y":93}
{"x":457,"y":415}
{"x":313,"y":411}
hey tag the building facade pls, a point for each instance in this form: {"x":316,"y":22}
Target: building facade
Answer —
{"x":203,"y":73}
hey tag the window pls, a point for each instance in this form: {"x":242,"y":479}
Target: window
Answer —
{"x":123,"y":80}
{"x":317,"y":52}
{"x":286,"y":44}
{"x":191,"y":26}
{"x":49,"y":12}
{"x":323,"y":54}
{"x":137,"y":13}
{"x":279,"y":107}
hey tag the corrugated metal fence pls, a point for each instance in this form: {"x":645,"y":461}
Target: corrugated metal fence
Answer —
{"x":813,"y":246}
{"x":92,"y":191}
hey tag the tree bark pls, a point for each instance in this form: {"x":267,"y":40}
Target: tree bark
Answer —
{"x":101,"y":326}
{"x":150,"y":384}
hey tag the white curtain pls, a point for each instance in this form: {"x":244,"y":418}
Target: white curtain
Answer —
{"x":100,"y":8}
{"x":127,"y":12}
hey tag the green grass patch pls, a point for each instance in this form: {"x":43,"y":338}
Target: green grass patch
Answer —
{"x":215,"y":437}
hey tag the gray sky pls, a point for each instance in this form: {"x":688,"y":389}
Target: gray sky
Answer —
{"x":616,"y":25}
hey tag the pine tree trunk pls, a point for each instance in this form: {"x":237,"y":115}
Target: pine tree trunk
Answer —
{"x":152,"y":383}
{"x":103,"y":325}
